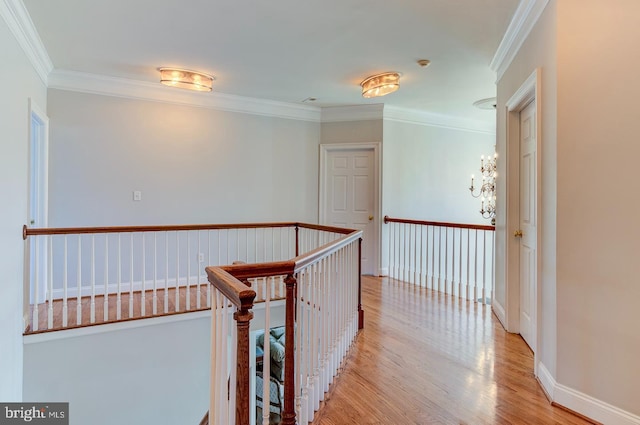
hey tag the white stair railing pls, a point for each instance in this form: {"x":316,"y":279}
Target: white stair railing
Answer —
{"x":456,"y":259}
{"x":77,"y":275}
{"x":322,"y":316}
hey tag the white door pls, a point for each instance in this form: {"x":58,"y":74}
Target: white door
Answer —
{"x":348,"y":182}
{"x":528,"y":223}
{"x":38,"y":205}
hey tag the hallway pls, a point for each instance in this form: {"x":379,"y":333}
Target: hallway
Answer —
{"x":428,"y":358}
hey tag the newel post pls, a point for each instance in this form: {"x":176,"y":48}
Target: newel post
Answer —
{"x":243,"y":318}
{"x":289,"y":413}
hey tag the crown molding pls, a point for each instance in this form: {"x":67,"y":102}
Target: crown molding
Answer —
{"x":413,"y":116}
{"x":21,"y":26}
{"x":524,"y":18}
{"x":353,"y":113}
{"x":144,"y":90}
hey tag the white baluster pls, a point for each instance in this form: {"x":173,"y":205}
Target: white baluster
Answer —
{"x":105,"y":300}
{"x":92,"y":309}
{"x":475,"y":273}
{"x":266,"y":357}
{"x":49,"y":239}
{"x":155,"y":273}
{"x":130,"y":275}
{"x":198,"y":272}
{"x":79,"y":283}
{"x":188,"y":290}
{"x":209,"y":262}
{"x":65,"y":286}
{"x":143,"y":292}
{"x":166,"y":272}
{"x":177,"y":287}
{"x":119,"y":291}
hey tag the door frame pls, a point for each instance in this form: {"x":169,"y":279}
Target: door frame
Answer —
{"x":529,"y":91}
{"x":325,"y":148}
{"x":38,"y":175}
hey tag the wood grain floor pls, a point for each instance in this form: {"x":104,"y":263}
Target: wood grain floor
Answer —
{"x":427,"y":358}
{"x":112,"y":307}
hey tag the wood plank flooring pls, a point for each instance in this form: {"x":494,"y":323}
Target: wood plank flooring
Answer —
{"x":428,"y":358}
{"x":112,"y":307}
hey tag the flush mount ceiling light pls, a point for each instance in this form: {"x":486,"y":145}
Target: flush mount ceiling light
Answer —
{"x":380,"y":84}
{"x":185,"y":79}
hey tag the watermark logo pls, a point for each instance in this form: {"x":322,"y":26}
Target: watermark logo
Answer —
{"x":34,"y":413}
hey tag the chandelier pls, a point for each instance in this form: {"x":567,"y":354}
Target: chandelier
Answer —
{"x":487,"y":191}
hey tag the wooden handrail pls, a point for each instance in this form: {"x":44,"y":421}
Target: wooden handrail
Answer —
{"x":237,"y":292}
{"x":248,"y":271}
{"x":312,"y":256}
{"x":325,"y":228}
{"x":388,"y":219}
{"x":26,"y":232}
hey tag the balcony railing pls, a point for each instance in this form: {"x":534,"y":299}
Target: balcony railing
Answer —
{"x":322,"y":316}
{"x":456,"y":259}
{"x":309,"y":273}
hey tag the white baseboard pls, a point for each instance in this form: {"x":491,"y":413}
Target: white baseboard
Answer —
{"x":582,"y":403}
{"x":546,"y":380}
{"x":383,"y":271}
{"x":499,"y":311}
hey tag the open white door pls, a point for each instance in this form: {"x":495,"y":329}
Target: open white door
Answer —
{"x":38,"y":200}
{"x":528,"y":224}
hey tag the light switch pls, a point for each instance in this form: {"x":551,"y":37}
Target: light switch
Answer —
{"x":137,"y":195}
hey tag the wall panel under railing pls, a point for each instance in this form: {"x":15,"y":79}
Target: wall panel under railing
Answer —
{"x":456,"y":259}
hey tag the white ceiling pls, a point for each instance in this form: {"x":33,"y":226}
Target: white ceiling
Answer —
{"x":288,"y":50}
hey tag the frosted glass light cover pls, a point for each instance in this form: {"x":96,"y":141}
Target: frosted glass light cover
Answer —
{"x":185,"y":79}
{"x":380,"y":85}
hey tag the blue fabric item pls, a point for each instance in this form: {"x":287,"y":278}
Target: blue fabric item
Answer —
{"x":276,"y":347}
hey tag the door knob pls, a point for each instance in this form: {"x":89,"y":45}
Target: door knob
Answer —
{"x":517,"y":233}
{"x":370,"y":217}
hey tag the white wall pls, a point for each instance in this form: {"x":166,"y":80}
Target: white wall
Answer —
{"x":589,"y":343}
{"x":366,"y":131}
{"x":427,"y":173}
{"x":192,"y":165}
{"x":598,"y":203}
{"x":22,"y":83}
{"x":112,"y":378}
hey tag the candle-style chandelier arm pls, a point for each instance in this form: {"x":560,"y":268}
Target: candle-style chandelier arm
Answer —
{"x":487,"y":189}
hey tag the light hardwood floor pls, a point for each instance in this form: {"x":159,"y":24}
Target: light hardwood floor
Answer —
{"x":112,"y":307}
{"x":427,"y":358}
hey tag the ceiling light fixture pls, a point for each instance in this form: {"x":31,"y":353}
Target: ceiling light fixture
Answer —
{"x":185,"y":79}
{"x":489,"y":103}
{"x":380,"y":84}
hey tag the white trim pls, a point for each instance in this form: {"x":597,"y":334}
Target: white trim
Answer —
{"x":498,"y":310}
{"x":524,"y":18}
{"x":413,"y":116}
{"x":114,"y":327}
{"x":145,"y":90}
{"x":384,"y":271}
{"x":584,"y":404}
{"x":528,"y":91}
{"x":353,"y":113}
{"x":39,"y":192}
{"x":547,"y":381}
{"x":377,"y":201}
{"x":21,"y":26}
